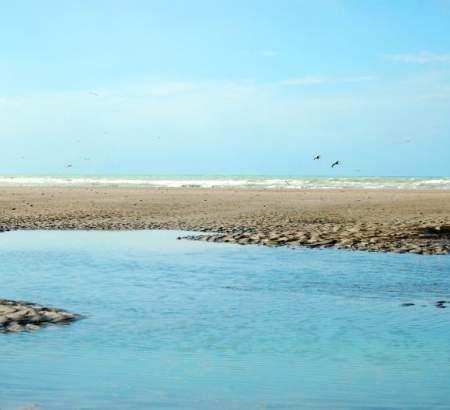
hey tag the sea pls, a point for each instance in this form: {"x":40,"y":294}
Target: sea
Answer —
{"x":235,"y":182}
{"x":197,"y":326}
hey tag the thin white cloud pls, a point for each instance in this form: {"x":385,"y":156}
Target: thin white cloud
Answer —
{"x":122,"y":122}
{"x":359,"y":79}
{"x":423,"y":57}
{"x":268,"y":53}
{"x":306,"y":80}
{"x":184,"y":107}
{"x":167,"y":88}
{"x":311,"y":80}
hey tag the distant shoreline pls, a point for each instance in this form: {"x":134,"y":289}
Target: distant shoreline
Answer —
{"x":404,"y":221}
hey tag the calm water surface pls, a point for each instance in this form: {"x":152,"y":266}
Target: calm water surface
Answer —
{"x":192,"y":325}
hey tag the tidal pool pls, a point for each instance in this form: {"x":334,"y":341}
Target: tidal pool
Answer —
{"x":192,"y":325}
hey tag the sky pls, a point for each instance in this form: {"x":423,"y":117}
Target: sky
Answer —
{"x":235,"y":87}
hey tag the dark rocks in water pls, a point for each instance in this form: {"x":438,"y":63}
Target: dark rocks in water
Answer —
{"x":18,"y":316}
{"x":441,"y":304}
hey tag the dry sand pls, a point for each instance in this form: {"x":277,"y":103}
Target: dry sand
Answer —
{"x":377,"y":220}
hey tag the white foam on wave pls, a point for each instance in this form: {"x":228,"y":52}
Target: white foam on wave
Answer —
{"x":235,"y":182}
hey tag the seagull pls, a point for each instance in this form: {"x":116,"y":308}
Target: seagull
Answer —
{"x":316,"y":157}
{"x":92,"y":93}
{"x":334,"y":164}
{"x":69,"y":166}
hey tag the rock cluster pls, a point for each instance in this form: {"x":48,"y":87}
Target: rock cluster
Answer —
{"x":441,"y":304}
{"x":366,"y":237}
{"x":18,"y":316}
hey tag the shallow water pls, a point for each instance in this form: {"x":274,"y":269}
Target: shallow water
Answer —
{"x":194,"y":325}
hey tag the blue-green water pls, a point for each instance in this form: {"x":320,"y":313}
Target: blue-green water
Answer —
{"x":192,"y":325}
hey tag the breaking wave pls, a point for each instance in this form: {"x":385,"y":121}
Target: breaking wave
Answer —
{"x":235,"y":182}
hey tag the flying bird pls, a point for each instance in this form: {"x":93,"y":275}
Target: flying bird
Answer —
{"x":316,"y":157}
{"x":69,"y":166}
{"x":334,"y":164}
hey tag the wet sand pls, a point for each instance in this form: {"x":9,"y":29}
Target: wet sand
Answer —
{"x":416,"y":221}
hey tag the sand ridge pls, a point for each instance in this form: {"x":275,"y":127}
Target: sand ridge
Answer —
{"x":416,"y":221}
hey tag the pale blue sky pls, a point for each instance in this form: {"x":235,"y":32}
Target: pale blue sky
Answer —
{"x":225,"y":87}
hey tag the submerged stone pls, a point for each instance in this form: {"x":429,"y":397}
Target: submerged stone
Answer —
{"x":442,"y":304}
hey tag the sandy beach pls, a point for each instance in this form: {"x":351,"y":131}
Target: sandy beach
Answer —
{"x":416,"y":221}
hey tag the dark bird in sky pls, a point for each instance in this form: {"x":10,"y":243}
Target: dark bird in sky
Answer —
{"x":316,"y":157}
{"x":69,"y":166}
{"x":334,"y":164}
